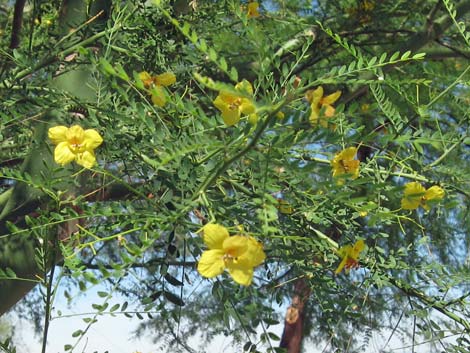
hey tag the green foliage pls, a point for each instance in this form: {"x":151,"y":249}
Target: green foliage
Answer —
{"x":131,"y":225}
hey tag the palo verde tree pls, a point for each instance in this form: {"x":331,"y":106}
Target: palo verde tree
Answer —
{"x":212,"y":160}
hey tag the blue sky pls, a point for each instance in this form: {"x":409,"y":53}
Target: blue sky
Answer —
{"x":115,"y":334}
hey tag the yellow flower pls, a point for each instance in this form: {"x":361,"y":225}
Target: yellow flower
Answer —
{"x":156,"y":84}
{"x":146,"y":79}
{"x":344,"y":163}
{"x":416,"y":195}
{"x":350,"y":255}
{"x":232,"y":106}
{"x":318,"y":102}
{"x":75,"y":144}
{"x":238,"y":254}
{"x":252,"y":10}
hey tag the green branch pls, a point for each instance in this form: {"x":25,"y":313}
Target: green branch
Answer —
{"x":407,"y":289}
{"x":225,"y":164}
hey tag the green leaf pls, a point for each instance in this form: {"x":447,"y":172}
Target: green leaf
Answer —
{"x":114,"y":307}
{"x":77,"y":333}
{"x":419,"y":56}
{"x":406,"y":55}
{"x":394,"y":56}
{"x":173,"y":298}
{"x":9,"y":272}
{"x":107,"y":67}
{"x":172,"y":280}
{"x":203,"y":45}
{"x":121,"y":73}
{"x":223,"y":64}
{"x":212,"y":54}
{"x":382,"y":58}
{"x":185,"y":29}
{"x":234,"y":74}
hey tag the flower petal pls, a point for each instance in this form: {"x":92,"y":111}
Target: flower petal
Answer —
{"x":331,"y":98}
{"x":235,"y":246}
{"x":146,"y":79}
{"x":341,"y":265}
{"x":357,"y":249}
{"x":92,"y":139}
{"x":165,"y":79}
{"x":414,"y":189}
{"x":247,"y":107}
{"x":214,"y":235}
{"x":231,"y":117}
{"x":352,"y":168}
{"x":211,"y":263}
{"x":434,"y":193}
{"x":86,"y":159}
{"x":252,"y":11}
{"x":314,"y":114}
{"x":63,"y":154}
{"x":220,"y":103}
{"x":348,"y":153}
{"x":241,"y":275}
{"x":412,"y":196}
{"x":75,"y":134}
{"x":329,"y":111}
{"x":314,"y":96}
{"x":244,"y":87}
{"x":408,"y":203}
{"x":224,"y":100}
{"x":57,"y":134}
{"x":344,"y":163}
{"x":345,"y":250}
{"x":254,"y":255}
{"x":158,"y":96}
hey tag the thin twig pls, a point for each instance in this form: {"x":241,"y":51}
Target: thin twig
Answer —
{"x":48,"y":297}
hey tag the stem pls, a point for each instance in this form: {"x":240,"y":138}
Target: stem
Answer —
{"x":225,"y":164}
{"x":412,"y":292}
{"x":51,"y":59}
{"x":48,"y":299}
{"x":444,"y":155}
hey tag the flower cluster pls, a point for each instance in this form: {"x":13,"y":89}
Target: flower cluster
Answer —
{"x":156,"y":86}
{"x":238,"y":254}
{"x":320,"y":104}
{"x":233,"y":105}
{"x":75,"y":144}
{"x":416,"y":195}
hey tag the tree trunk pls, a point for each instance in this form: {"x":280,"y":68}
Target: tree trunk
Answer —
{"x":294,"y":321}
